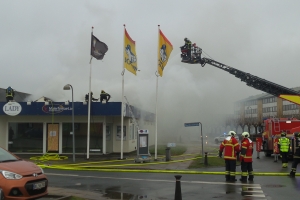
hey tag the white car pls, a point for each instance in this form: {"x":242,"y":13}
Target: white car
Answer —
{"x":219,"y":139}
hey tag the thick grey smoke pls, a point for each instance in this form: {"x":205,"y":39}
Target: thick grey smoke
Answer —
{"x":46,"y":45}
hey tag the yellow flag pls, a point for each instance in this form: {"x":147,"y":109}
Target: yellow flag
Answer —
{"x":164,"y":50}
{"x":130,"y":59}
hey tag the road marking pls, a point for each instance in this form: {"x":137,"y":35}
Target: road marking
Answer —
{"x":156,"y":180}
{"x":61,"y":174}
{"x":246,"y":189}
{"x":253,"y":192}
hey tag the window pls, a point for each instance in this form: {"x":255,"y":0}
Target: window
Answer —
{"x":96,"y":136}
{"x":118,"y":136}
{"x":25,"y":137}
{"x":131,"y":132}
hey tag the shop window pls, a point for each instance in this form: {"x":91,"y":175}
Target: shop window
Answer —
{"x":96,"y":137}
{"x":25,"y":137}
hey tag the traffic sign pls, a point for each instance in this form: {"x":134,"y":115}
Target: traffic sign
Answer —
{"x":171,"y":145}
{"x":191,"y":124}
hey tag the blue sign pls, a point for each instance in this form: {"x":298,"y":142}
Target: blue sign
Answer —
{"x":191,"y":124}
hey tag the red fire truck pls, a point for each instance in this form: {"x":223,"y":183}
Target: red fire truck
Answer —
{"x":272,"y":131}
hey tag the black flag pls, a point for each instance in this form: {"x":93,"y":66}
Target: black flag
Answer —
{"x":98,"y":48}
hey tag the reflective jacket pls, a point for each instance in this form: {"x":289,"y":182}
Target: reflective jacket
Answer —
{"x":231,"y":147}
{"x":284,"y":144}
{"x":247,"y":150}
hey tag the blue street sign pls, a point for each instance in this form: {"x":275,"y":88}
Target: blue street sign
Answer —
{"x":191,"y":124}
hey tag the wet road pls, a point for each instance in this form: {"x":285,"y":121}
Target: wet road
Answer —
{"x":162,"y":186}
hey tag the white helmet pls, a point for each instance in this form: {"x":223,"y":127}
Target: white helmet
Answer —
{"x":231,"y":133}
{"x":245,"y":134}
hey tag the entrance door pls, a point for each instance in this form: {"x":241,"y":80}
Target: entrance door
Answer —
{"x":52,"y":137}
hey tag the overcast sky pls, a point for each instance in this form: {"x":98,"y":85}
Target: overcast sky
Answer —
{"x":46,"y":44}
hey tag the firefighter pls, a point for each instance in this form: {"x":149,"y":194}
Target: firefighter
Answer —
{"x":296,"y":159}
{"x":284,"y":146}
{"x":87,"y":97}
{"x":10,"y":93}
{"x":188,"y":46}
{"x":246,"y":157}
{"x":231,"y":149}
{"x":104,"y":96}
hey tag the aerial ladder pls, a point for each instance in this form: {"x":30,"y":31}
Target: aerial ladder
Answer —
{"x":250,"y":80}
{"x":254,"y":82}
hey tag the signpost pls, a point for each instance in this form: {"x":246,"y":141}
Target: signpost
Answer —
{"x":197,"y":124}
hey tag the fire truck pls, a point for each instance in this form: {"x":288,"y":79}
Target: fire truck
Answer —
{"x":272,"y":132}
{"x":273,"y":127}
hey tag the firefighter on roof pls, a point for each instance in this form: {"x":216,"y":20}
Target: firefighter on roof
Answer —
{"x":231,"y":148}
{"x":296,"y":159}
{"x":246,"y":157}
{"x":104,"y":96}
{"x":284,"y":146}
{"x":87,"y":97}
{"x":10,"y":93}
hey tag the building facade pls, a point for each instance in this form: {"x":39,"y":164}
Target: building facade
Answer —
{"x":43,"y":127}
{"x":249,"y":113}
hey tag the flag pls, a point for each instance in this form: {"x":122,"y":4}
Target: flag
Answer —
{"x":130,"y":59}
{"x":98,"y":48}
{"x":164,"y":50}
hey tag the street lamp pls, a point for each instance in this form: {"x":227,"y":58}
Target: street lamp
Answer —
{"x":68,"y":87}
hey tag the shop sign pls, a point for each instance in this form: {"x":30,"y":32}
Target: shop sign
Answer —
{"x":12,"y":108}
{"x":54,"y":108}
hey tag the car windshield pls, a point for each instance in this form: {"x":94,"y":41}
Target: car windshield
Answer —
{"x":6,"y":156}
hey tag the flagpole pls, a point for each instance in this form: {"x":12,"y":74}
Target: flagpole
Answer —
{"x":122,"y":107}
{"x":157,"y":74}
{"x":89,"y":108}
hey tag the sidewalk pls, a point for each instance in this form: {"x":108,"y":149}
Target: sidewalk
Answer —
{"x":63,"y":192}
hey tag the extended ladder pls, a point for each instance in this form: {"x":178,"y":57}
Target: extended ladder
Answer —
{"x":132,"y":115}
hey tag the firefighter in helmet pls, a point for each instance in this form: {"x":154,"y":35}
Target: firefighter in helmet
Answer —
{"x":104,"y":96}
{"x":188,"y":46}
{"x":10,"y":93}
{"x":231,"y":148}
{"x":246,"y":157}
{"x":296,"y":159}
{"x":284,"y":146}
{"x":92,"y":98}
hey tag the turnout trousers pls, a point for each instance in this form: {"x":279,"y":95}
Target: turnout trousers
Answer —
{"x":296,"y":161}
{"x":230,"y":169}
{"x":284,"y":159}
{"x":247,"y":170}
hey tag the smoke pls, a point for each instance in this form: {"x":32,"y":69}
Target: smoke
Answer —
{"x":44,"y":53}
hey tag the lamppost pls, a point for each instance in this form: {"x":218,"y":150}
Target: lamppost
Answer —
{"x":68,"y":87}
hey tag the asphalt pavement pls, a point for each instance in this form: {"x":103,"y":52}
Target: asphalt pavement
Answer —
{"x":177,"y":163}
